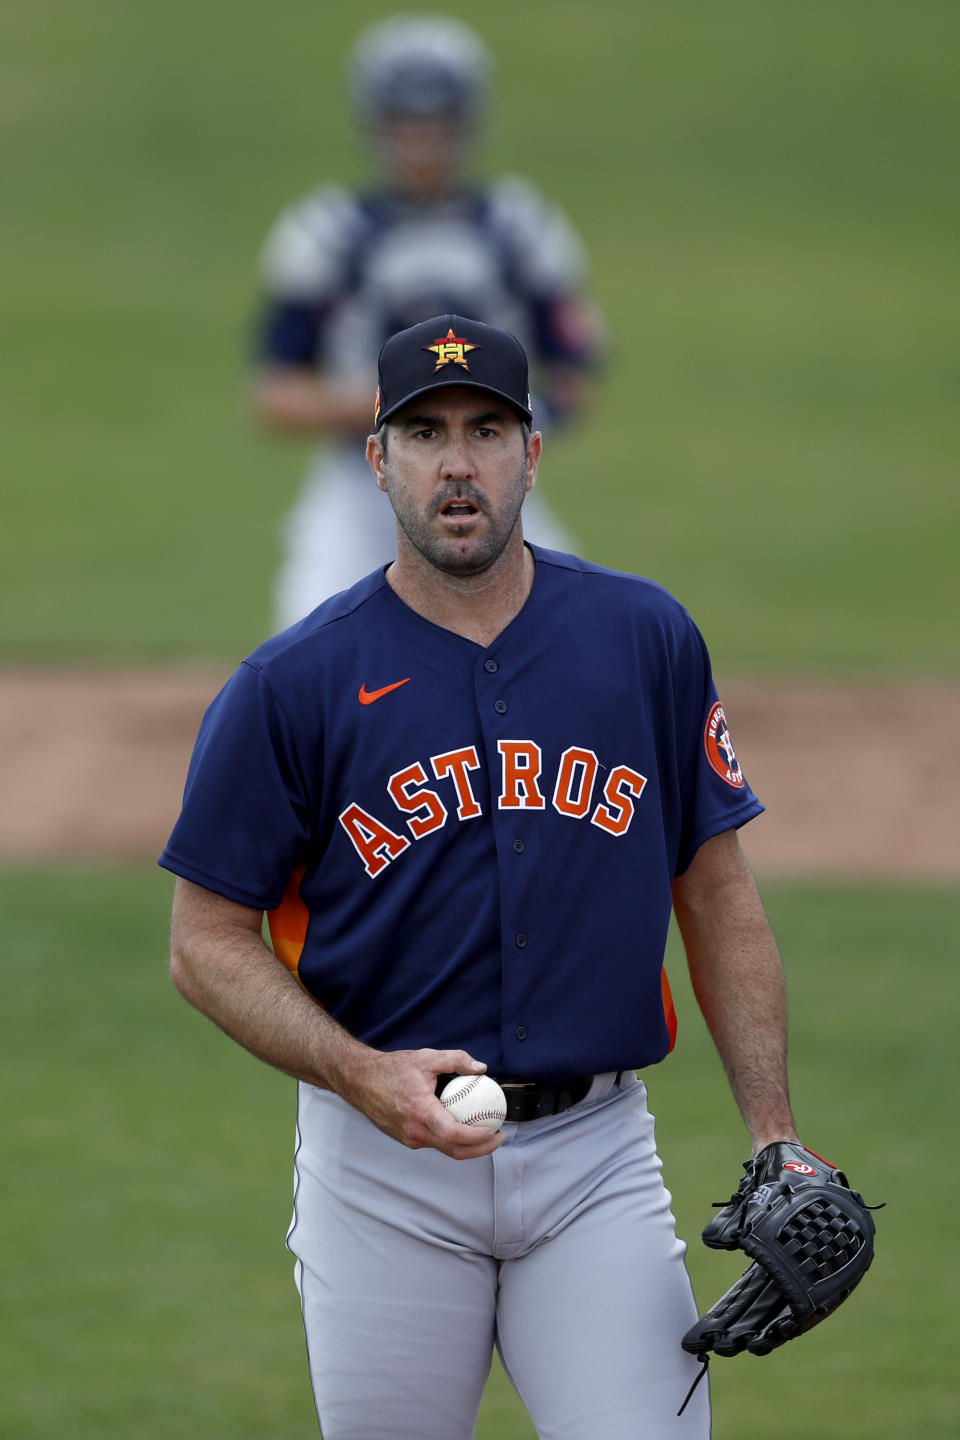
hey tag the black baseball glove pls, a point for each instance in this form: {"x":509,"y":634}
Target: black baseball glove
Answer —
{"x":811,"y":1240}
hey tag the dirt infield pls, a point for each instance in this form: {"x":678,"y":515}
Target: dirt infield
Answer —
{"x":858,"y":780}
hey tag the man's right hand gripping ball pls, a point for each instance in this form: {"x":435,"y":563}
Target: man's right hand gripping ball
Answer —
{"x":810,"y":1237}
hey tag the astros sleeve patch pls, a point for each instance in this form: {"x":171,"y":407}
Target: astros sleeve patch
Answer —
{"x":719,"y":748}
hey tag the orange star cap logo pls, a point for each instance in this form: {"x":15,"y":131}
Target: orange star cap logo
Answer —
{"x":376,"y":407}
{"x":451,"y":350}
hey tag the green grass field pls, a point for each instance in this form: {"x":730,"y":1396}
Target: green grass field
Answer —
{"x":766,"y":195}
{"x":147,"y":1165}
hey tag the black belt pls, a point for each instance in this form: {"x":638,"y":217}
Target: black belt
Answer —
{"x":529,"y":1100}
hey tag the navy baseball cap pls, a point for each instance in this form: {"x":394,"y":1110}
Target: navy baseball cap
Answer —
{"x":451,"y":350}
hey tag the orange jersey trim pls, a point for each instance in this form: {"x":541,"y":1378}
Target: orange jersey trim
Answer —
{"x":288,"y":925}
{"x":669,"y":1009}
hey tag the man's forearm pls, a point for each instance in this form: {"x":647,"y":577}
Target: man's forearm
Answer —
{"x":229,"y":973}
{"x":221,"y":965}
{"x":299,"y":401}
{"x":739,"y":983}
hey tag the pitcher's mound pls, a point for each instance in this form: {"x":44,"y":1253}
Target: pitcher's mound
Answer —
{"x":858,"y":780}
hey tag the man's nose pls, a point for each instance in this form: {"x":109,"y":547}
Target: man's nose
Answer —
{"x":456,"y":461}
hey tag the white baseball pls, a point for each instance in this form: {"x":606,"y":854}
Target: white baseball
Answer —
{"x":475,"y":1100}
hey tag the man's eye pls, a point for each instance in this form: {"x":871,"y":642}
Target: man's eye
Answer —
{"x":485,"y":431}
{"x":426,"y":434}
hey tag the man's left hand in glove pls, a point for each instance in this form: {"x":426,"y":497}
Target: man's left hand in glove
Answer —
{"x":810,"y":1237}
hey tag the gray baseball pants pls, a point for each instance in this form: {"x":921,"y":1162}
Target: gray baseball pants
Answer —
{"x":559,"y":1249}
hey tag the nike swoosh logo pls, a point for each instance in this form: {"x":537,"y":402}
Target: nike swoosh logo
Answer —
{"x":367,"y":697}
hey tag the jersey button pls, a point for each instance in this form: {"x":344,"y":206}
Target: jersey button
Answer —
{"x":500,"y":706}
{"x":521,"y":1032}
{"x":520,"y":941}
{"x":491,"y":667}
{"x":518,"y":846}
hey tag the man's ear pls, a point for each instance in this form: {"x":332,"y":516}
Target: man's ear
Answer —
{"x":375,"y":459}
{"x":534,"y":449}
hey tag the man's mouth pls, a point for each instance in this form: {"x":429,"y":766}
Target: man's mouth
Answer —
{"x":459,"y":509}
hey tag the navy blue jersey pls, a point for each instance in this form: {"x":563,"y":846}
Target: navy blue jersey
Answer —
{"x":469,"y":847}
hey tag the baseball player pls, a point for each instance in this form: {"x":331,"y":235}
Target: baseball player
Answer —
{"x":342,"y":269}
{"x":467,"y":791}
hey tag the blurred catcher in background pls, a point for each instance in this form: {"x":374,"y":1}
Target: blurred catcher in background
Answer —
{"x":343,"y":269}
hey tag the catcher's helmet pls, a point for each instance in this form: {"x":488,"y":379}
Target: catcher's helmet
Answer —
{"x":419,"y":65}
